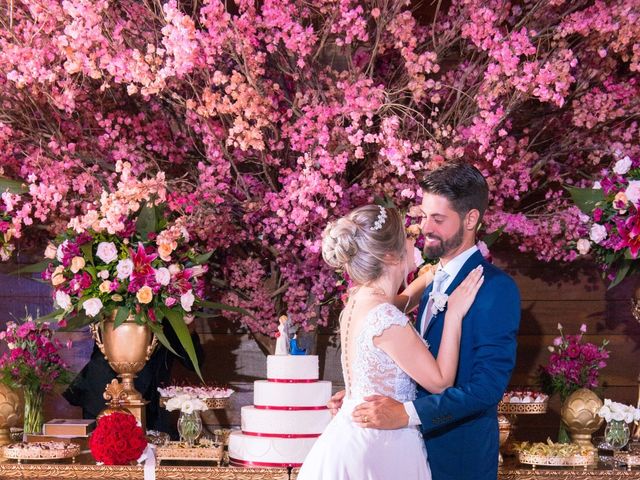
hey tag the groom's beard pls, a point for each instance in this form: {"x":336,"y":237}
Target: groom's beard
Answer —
{"x":444,"y":246}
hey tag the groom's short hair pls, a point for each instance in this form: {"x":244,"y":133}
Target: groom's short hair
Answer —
{"x":460,"y":183}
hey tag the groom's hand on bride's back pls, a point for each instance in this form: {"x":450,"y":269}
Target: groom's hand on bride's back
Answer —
{"x":380,"y":412}
{"x":336,"y":402}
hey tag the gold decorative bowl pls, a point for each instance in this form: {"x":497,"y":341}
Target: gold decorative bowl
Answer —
{"x":181,"y":451}
{"x":212,"y":403}
{"x":530,"y":408}
{"x":556,"y":461}
{"x":40,"y":451}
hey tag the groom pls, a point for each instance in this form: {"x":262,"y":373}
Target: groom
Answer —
{"x":459,"y":426}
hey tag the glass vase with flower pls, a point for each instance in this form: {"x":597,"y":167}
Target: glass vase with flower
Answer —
{"x":618,"y":417}
{"x":33,"y":363}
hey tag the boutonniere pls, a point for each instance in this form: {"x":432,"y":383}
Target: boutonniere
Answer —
{"x":439,"y":302}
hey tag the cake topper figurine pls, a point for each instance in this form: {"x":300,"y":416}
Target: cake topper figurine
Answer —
{"x":295,"y":349}
{"x":282,"y":340}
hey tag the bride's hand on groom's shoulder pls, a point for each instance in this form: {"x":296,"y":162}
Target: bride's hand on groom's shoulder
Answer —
{"x":336,"y":402}
{"x":380,"y":412}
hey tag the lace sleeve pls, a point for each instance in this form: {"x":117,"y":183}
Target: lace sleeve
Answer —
{"x":386,"y":315}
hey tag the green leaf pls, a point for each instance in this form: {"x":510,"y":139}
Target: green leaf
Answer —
{"x":490,"y":238}
{"x":182,"y":332}
{"x":78,"y":321}
{"x":87,"y":251}
{"x":33,"y":268}
{"x":13,"y":186}
{"x":156,"y":328}
{"x":146,"y":221}
{"x":121,"y":316}
{"x":50,"y":316}
{"x":622,"y":272}
{"x":223,"y":306}
{"x":200,"y":259}
{"x":586,"y":198}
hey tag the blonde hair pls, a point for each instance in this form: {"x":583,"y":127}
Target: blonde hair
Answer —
{"x":351,"y":244}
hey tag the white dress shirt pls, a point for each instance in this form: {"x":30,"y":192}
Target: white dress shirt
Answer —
{"x":452,"y":268}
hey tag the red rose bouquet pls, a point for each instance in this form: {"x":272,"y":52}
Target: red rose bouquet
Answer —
{"x":117,"y":440}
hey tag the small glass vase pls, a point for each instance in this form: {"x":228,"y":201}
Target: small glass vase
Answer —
{"x":33,"y":410}
{"x":189,"y":427}
{"x":617,"y":434}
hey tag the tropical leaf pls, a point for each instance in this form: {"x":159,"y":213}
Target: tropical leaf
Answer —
{"x":33,"y":268}
{"x":224,"y":306}
{"x":182,"y":332}
{"x":146,"y":223}
{"x":586,"y":198}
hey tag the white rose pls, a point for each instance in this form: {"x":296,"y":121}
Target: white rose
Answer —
{"x":63,"y":300}
{"x":124,"y":268}
{"x":107,"y":252}
{"x":187,"y":406}
{"x":103,"y":274}
{"x":439,"y":302}
{"x":186,"y":300}
{"x":50,"y":252}
{"x":59,"y":253}
{"x":163,"y":276}
{"x":633,"y":191}
{"x":622,"y":166}
{"x":92,"y":306}
{"x":598,"y":233}
{"x":174,"y":268}
{"x":583,"y":246}
{"x":597,"y":186}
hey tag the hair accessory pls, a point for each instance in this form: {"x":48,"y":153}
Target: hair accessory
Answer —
{"x":382,"y":217}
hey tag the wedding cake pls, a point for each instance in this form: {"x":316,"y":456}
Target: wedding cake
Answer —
{"x":289,"y":414}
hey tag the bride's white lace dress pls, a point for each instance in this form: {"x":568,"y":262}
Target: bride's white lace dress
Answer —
{"x":348,"y":451}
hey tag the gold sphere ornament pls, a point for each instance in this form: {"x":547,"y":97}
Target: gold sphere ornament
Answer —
{"x":11,"y":412}
{"x":580,"y":415}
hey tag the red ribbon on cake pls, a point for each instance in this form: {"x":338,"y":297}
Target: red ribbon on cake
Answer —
{"x":292,"y":380}
{"x":246,"y":463}
{"x":282,"y":435}
{"x":276,"y":407}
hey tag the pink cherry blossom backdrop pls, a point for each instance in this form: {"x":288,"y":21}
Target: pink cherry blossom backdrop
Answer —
{"x":270,"y":118}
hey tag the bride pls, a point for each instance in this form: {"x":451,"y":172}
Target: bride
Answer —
{"x":381,"y":351}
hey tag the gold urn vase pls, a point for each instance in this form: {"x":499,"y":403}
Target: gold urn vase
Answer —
{"x":127,"y":348}
{"x":580,"y":415}
{"x":11,"y":412}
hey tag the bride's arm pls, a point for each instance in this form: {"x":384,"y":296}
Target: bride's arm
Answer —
{"x":410,"y":353}
{"x":409,"y":299}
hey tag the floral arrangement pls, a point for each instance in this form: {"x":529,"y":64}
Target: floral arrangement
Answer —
{"x":201,"y":392}
{"x":32,"y":359}
{"x":618,"y":412}
{"x":524,"y":396}
{"x":269,"y":118}
{"x":117,"y":440}
{"x":186,"y":404}
{"x":32,"y":362}
{"x":126,"y":260}
{"x":572,"y":364}
{"x":611,"y":218}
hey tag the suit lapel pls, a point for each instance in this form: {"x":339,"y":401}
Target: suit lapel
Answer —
{"x":473,"y":261}
{"x":423,"y":304}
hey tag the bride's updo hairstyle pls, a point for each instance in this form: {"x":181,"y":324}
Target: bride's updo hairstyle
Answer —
{"x":362,"y":242}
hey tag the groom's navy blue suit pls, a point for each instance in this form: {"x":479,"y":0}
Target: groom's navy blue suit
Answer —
{"x":460,"y":425}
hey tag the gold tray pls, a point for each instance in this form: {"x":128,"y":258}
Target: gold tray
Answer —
{"x":212,"y":403}
{"x":180,"y":451}
{"x":72,"y":450}
{"x":629,"y":459}
{"x":555,"y":461}
{"x":522,"y":408}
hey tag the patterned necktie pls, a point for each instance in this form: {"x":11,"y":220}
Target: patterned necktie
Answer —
{"x":438,"y":281}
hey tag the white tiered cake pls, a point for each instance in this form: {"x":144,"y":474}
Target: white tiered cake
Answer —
{"x":289,"y":414}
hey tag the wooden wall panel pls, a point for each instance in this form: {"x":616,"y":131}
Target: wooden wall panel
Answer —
{"x":551,"y":294}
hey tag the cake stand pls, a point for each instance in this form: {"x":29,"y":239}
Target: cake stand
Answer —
{"x":508,"y":421}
